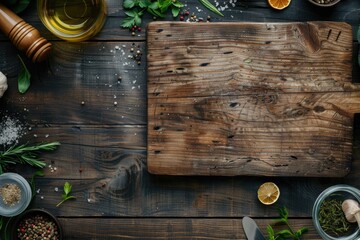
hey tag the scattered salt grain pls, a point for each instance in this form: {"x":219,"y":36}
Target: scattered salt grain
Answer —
{"x":56,"y":189}
{"x":10,"y":131}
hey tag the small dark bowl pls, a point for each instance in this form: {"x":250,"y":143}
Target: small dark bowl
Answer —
{"x":31,"y":213}
{"x":324,"y":4}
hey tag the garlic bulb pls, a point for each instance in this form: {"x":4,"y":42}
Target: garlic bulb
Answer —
{"x":3,"y":84}
{"x":351,"y":210}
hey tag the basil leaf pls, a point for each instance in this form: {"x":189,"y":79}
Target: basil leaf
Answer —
{"x":23,"y":78}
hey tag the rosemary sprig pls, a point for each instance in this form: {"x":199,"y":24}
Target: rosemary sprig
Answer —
{"x":211,"y":7}
{"x":25,"y":154}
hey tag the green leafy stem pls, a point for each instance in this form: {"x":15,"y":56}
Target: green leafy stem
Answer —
{"x":135,"y":9}
{"x":284,"y":234}
{"x":66,"y":195}
{"x":26,"y":154}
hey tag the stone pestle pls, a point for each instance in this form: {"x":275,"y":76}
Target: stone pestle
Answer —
{"x":24,"y":36}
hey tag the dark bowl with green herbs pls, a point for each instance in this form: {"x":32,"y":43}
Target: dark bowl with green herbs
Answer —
{"x":324,"y":3}
{"x":328,"y":217}
{"x":36,"y":224}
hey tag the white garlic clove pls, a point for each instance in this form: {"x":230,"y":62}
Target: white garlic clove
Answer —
{"x":3,"y":84}
{"x":350,"y":208}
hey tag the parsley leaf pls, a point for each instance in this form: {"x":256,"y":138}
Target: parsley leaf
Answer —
{"x":66,"y":195}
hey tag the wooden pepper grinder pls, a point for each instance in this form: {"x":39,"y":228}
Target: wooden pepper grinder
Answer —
{"x":24,"y":36}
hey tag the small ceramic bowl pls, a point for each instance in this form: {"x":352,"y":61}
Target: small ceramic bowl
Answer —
{"x":318,"y":3}
{"x":339,"y":192}
{"x":15,"y":194}
{"x":45,"y":216}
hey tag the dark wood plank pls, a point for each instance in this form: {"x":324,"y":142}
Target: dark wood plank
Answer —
{"x":76,"y":73}
{"x":167,"y":228}
{"x":129,"y":191}
{"x":250,"y":99}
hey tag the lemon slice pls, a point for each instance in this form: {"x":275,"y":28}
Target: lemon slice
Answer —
{"x":268,"y":193}
{"x":279,"y":4}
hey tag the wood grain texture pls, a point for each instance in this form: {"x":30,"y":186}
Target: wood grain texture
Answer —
{"x":167,"y":228}
{"x":80,"y":72}
{"x":251,"y":99}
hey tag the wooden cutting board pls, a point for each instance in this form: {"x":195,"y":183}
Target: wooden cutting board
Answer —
{"x":273,"y":99}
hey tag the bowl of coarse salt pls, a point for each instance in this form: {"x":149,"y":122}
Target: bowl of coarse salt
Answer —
{"x":15,"y":194}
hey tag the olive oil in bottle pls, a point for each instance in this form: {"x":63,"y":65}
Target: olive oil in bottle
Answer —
{"x":73,"y":20}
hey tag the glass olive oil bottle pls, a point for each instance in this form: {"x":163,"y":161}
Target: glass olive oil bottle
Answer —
{"x":73,"y":20}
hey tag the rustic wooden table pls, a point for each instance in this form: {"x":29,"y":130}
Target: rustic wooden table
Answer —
{"x":104,"y":146}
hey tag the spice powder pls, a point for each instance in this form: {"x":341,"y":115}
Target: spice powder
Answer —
{"x":10,"y":193}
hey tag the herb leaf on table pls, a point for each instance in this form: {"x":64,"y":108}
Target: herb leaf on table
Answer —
{"x":66,"y":195}
{"x":23,"y":78}
{"x":284,"y":234}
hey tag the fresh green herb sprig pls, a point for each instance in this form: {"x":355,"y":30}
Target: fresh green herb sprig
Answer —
{"x":332,"y":218}
{"x":211,"y":7}
{"x":284,"y":234}
{"x":135,"y":9}
{"x":25,"y":154}
{"x":66,"y":195}
{"x":23,"y":77}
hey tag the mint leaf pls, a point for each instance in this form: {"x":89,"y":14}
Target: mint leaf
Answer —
{"x":129,"y":3}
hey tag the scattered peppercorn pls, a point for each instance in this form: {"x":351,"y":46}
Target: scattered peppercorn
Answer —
{"x":38,"y":227}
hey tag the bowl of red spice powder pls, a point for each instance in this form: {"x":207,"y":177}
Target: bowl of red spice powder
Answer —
{"x":36,"y":224}
{"x":15,"y":194}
